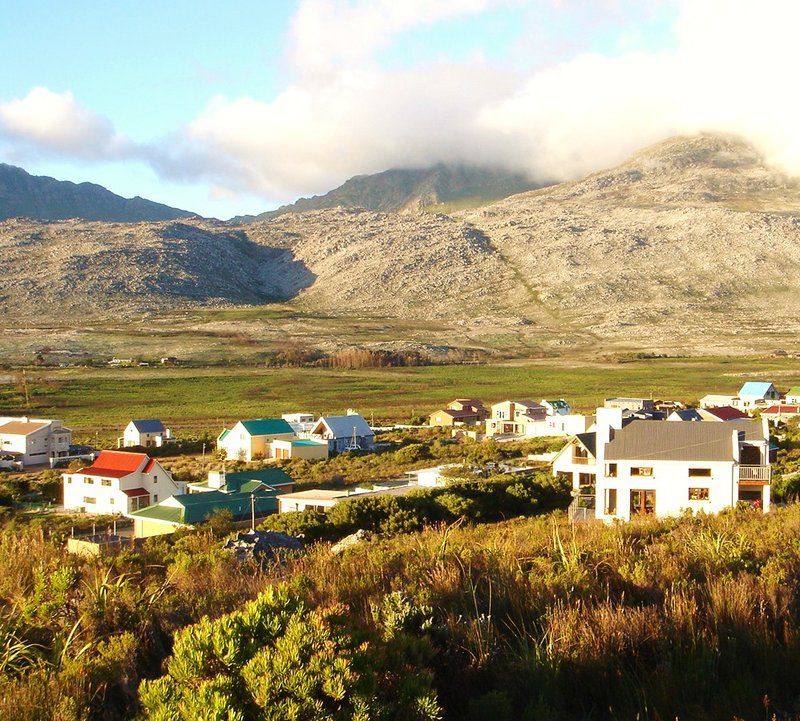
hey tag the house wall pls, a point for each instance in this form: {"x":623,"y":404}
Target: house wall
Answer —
{"x":132,"y":437}
{"x":109,"y":493}
{"x":38,"y":447}
{"x":671,"y":481}
{"x":144,"y":528}
{"x":289,"y":505}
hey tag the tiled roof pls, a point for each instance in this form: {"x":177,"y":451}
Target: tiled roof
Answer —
{"x":343,"y":426}
{"x":726,"y":413}
{"x":267,"y":427}
{"x":115,"y":464}
{"x":20,"y":428}
{"x":149,"y":426}
{"x":757,"y":389}
{"x":782,"y":408}
{"x":135,"y":492}
{"x":678,"y":441}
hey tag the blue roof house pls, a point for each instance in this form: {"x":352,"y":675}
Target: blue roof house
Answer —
{"x":757,"y":393}
{"x":345,"y":433}
{"x":147,"y":433}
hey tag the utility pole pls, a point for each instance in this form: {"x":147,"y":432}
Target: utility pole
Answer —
{"x":253,"y":512}
{"x":25,"y":388}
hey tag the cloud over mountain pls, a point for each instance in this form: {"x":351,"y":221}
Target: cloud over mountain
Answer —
{"x":729,"y":67}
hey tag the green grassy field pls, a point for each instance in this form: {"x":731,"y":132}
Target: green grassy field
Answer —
{"x":204,"y":399}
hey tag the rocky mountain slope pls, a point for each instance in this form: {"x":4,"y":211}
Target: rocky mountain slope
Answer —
{"x":692,"y":245}
{"x":42,"y":198}
{"x":692,"y":236}
{"x":410,"y":189}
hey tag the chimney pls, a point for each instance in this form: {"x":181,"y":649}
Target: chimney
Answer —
{"x":216,"y":479}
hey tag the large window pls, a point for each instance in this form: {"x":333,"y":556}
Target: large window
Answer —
{"x":641,"y":471}
{"x":105,"y":482}
{"x":699,"y":473}
{"x":611,"y":501}
{"x":699,"y":494}
{"x":89,"y":500}
{"x":611,"y":470}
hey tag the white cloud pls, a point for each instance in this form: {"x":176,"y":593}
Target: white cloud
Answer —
{"x":327,"y":35}
{"x":731,"y":68}
{"x":49,"y":123}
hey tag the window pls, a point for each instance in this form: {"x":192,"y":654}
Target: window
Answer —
{"x":155,"y":499}
{"x":698,"y":494}
{"x":611,"y":470}
{"x":69,"y":480}
{"x":642,"y":471}
{"x":89,"y":481}
{"x":699,"y":473}
{"x":105,"y":482}
{"x":89,"y":501}
{"x":111,"y":501}
{"x":611,"y":501}
{"x":155,"y":479}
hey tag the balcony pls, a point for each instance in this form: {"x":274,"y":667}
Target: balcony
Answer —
{"x":583,"y":460}
{"x":755,"y":475}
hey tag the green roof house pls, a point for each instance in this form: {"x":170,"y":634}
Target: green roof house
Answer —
{"x":189,"y":509}
{"x":253,"y":439}
{"x":244,"y":481}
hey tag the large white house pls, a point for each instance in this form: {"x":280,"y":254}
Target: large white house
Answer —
{"x":33,"y":441}
{"x":518,"y":418}
{"x":118,"y":482}
{"x":664,"y":468}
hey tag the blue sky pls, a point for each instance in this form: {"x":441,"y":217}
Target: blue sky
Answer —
{"x":226,"y":108}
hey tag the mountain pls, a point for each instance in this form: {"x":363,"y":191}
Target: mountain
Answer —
{"x":42,"y":198}
{"x":690,"y":246}
{"x":409,"y":189}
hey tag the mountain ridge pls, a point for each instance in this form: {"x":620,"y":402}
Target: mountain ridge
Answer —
{"x":410,"y":189}
{"x":40,"y":197}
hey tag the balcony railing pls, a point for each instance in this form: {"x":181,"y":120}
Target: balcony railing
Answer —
{"x":582,"y":460}
{"x":755,"y":474}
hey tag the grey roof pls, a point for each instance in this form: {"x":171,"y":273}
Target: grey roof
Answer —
{"x":342,"y":426}
{"x":687,"y":414}
{"x":679,"y":441}
{"x":589,"y":441}
{"x":149,"y":426}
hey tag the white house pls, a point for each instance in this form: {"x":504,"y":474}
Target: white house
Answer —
{"x":715,"y":400}
{"x":145,"y":433}
{"x":518,"y":418}
{"x":344,"y":433}
{"x":793,"y":396}
{"x":663,"y":469}
{"x":756,"y":393}
{"x":253,"y":439}
{"x":118,"y":482}
{"x":322,"y":500}
{"x":34,"y":441}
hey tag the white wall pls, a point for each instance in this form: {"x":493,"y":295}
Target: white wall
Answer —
{"x":671,"y":482}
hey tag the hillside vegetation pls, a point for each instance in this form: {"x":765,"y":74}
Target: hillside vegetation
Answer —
{"x":691,"y":618}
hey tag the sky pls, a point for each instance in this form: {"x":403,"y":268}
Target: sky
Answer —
{"x":238,"y":107}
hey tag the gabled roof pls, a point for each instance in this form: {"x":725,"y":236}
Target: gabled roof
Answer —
{"x":679,"y":441}
{"x":456,"y":414}
{"x":149,"y":426}
{"x":342,"y":426}
{"x":116,"y":464}
{"x":558,"y":403}
{"x":135,"y":492}
{"x":686,"y":414}
{"x":727,"y":413}
{"x":21,"y":428}
{"x":756,"y":389}
{"x":588,"y":441}
{"x":221,"y":436}
{"x":267,"y":427}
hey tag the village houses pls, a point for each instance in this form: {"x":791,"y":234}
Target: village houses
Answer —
{"x":268,"y":438}
{"x":344,"y":433}
{"x":462,"y":411}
